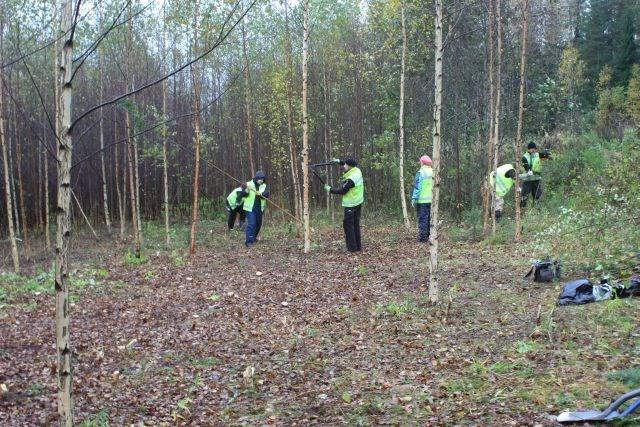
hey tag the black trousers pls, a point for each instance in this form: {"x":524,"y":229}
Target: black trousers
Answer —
{"x":424,"y":216}
{"x":532,"y":188}
{"x":232,"y":215}
{"x":351,"y":225}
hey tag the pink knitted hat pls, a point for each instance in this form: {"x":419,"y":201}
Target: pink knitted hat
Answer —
{"x":425,"y":160}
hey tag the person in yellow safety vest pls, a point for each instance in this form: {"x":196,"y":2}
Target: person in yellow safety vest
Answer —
{"x":533,"y":170}
{"x":352,"y":191}
{"x":255,"y":203}
{"x":235,"y":202}
{"x":506,"y":178}
{"x":421,"y":197}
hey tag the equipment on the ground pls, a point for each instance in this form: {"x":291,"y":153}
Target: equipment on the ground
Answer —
{"x":545,"y":271}
{"x":611,"y":413}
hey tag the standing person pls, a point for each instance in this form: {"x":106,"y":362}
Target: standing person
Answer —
{"x":255,"y":203}
{"x":235,"y":202}
{"x":422,"y":195}
{"x":352,"y":191}
{"x":533,"y":168}
{"x":506,"y":178}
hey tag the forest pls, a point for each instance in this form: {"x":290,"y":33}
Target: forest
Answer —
{"x":477,"y":138}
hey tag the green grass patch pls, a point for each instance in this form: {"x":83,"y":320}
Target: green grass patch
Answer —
{"x":132,"y":260}
{"x":629,"y":377}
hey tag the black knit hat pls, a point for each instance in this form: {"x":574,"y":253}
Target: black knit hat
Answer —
{"x":351,"y":162}
{"x":531,"y":145}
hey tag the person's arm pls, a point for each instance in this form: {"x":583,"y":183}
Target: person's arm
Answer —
{"x":525,"y":164}
{"x":344,"y":188}
{"x":416,"y":187}
{"x":265,"y":193}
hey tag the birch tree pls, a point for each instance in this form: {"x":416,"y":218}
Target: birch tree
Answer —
{"x":305,"y":132}
{"x":486,"y":191}
{"x":437,"y":109}
{"x":105,"y":201}
{"x":519,"y":141}
{"x":496,"y":129}
{"x":63,"y":214}
{"x":293,"y":155}
{"x":247,"y":100}
{"x":195,"y":75}
{"x":5,"y":162}
{"x":403,"y":198}
{"x":165,"y":163}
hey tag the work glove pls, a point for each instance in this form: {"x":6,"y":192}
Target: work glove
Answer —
{"x":327,"y":188}
{"x":244,"y":186}
{"x":336,"y":161}
{"x":259,"y":193}
{"x":413,"y":203}
{"x":530,"y":173}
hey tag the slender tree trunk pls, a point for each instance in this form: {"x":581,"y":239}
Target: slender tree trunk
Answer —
{"x":7,"y":186}
{"x":105,"y":201}
{"x":39,"y":186}
{"x":121,"y":210}
{"x":23,"y":209}
{"x":403,"y":199}
{"x":433,"y":241}
{"x":12,"y":183}
{"x":519,"y":135}
{"x":47,"y":236}
{"x":293,"y":155}
{"x":486,"y":192}
{"x":132,"y":184}
{"x":63,"y":214}
{"x":165,"y":163}
{"x":305,"y":132}
{"x":496,"y":130}
{"x":327,"y":153}
{"x":247,"y":99}
{"x":196,"y":137}
{"x":136,"y":175}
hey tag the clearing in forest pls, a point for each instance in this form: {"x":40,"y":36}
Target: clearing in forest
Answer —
{"x":271,"y":336}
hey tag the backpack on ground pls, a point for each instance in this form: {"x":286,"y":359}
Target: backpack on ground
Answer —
{"x":545,"y":271}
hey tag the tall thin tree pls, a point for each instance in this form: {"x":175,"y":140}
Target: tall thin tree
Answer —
{"x":437,"y":110}
{"x":195,"y":74}
{"x":305,"y":131}
{"x":105,"y":200}
{"x":5,"y":162}
{"x":486,"y":191}
{"x":165,"y":163}
{"x":293,"y":152}
{"x":63,"y":214}
{"x":403,"y":199}
{"x":496,"y":117}
{"x":247,"y":100}
{"x":519,"y":134}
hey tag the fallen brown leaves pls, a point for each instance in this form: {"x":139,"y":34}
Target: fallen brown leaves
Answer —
{"x":272,"y":337}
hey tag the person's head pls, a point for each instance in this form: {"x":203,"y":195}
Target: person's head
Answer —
{"x":348,"y":164}
{"x":532,"y":147}
{"x":511,"y":173}
{"x":260,"y":177}
{"x":425,"y":161}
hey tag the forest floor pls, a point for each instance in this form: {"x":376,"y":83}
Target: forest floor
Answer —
{"x":270,"y":336}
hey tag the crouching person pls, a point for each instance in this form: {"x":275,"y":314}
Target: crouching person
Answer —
{"x":235,"y":207}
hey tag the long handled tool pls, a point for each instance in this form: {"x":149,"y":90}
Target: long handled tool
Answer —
{"x":611,"y":413}
{"x":314,"y":166}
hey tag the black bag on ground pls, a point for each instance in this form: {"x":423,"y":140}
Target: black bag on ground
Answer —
{"x":577,"y":292}
{"x":544,"y":271}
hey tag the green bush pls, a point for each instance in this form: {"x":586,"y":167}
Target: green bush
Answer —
{"x":591,"y":204}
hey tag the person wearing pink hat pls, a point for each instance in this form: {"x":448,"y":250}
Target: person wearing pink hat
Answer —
{"x":422,"y":195}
